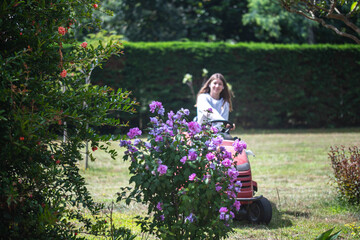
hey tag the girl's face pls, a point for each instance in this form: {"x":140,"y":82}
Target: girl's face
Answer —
{"x":216,"y":87}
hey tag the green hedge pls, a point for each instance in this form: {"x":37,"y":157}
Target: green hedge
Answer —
{"x":275,"y":86}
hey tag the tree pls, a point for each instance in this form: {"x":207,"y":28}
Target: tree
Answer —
{"x":273,"y":23}
{"x":43,"y":94}
{"x":345,"y":13}
{"x":160,"y":20}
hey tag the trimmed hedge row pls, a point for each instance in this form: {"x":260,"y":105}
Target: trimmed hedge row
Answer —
{"x":275,"y":86}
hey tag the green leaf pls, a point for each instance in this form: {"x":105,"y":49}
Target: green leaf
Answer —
{"x":353,"y":5}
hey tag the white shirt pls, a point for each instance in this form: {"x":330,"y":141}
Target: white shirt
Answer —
{"x":220,"y":108}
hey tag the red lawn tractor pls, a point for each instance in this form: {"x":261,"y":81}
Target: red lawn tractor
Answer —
{"x":256,"y":209}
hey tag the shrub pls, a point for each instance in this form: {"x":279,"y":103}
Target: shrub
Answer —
{"x":184,"y":176}
{"x":44,"y":96}
{"x":346,"y":166}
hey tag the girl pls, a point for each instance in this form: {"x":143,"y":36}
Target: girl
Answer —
{"x":214,"y":100}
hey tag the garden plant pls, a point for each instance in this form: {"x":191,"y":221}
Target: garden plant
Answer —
{"x":47,"y":113}
{"x":187,"y":180}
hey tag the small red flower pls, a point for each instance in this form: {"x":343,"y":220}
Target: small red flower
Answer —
{"x":96,"y":6}
{"x":75,"y":233}
{"x":84,"y":44}
{"x":94,"y":148}
{"x":62,"y":30}
{"x":105,"y":221}
{"x":22,"y":138}
{"x":20,"y":33}
{"x":63,"y":73}
{"x":52,"y":157}
{"x":58,"y":162}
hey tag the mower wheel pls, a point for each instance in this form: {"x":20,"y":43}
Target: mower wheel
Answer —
{"x":260,"y":211}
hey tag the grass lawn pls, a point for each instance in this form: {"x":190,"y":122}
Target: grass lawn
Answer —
{"x":292,"y":170}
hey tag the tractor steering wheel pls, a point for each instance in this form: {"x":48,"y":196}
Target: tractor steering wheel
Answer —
{"x":225,"y":122}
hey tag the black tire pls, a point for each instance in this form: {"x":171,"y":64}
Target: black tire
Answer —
{"x":260,"y":211}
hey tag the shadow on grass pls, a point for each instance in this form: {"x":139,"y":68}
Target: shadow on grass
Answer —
{"x":279,"y":220}
{"x":240,"y":132}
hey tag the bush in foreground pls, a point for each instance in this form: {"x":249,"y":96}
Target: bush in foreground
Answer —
{"x":184,"y":175}
{"x":346,"y":166}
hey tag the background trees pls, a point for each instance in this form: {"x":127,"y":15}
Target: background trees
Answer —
{"x":338,"y":15}
{"x":215,"y":20}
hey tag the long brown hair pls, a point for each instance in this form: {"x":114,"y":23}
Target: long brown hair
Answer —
{"x":225,"y":93}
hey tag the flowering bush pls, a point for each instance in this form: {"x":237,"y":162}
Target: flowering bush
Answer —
{"x":44,"y":95}
{"x":184,"y":175}
{"x":346,"y":166}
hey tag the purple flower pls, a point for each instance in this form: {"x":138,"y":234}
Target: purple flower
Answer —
{"x":162,"y":217}
{"x":162,"y":169}
{"x":159,"y":206}
{"x":183,"y":160}
{"x":223,"y":210}
{"x":133,"y":132}
{"x":170,"y":115}
{"x":212,"y":166}
{"x":231,"y":194}
{"x":226,"y":163}
{"x":210,"y":156}
{"x":232,"y":214}
{"x":155,"y":105}
{"x":209,"y":110}
{"x":154,"y":120}
{"x":227,"y":154}
{"x":124,"y":143}
{"x":192,"y":177}
{"x":194,"y":127}
{"x":214,"y":129}
{"x":239,"y":145}
{"x":133,"y":149}
{"x":190,"y":218}
{"x":217,"y":141}
{"x":237,"y":205}
{"x":158,"y":138}
{"x":136,"y":142}
{"x":233,"y":173}
{"x":192,"y":154}
{"x":147,"y":145}
{"x":185,"y":111}
{"x":218,"y":188}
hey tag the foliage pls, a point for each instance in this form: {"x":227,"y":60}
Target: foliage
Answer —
{"x":184,"y":176}
{"x":44,"y":96}
{"x":345,"y":13}
{"x":326,"y":235}
{"x":273,"y":22}
{"x":346,"y":166}
{"x":355,"y":229}
{"x":160,"y":20}
{"x":275,"y":85}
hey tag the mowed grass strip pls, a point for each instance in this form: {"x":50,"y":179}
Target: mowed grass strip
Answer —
{"x":292,"y":170}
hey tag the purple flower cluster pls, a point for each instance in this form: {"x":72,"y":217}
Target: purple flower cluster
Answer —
{"x":239,"y":145}
{"x":190,"y":218}
{"x":155,"y":105}
{"x":223,"y":214}
{"x":162,"y":169}
{"x":159,"y":206}
{"x":192,"y":155}
{"x":227,"y":162}
{"x":194,"y":128}
{"x":192,"y":177}
{"x":133,"y":132}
